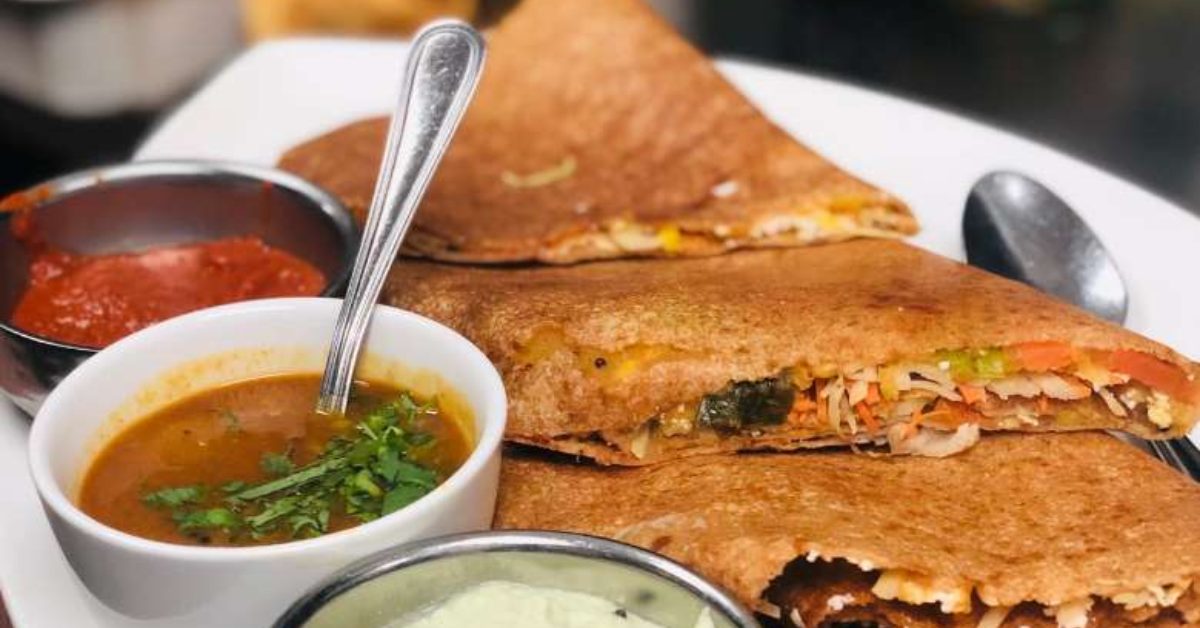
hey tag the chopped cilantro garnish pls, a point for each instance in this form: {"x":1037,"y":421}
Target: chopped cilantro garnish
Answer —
{"x":367,"y":474}
{"x":207,"y":520}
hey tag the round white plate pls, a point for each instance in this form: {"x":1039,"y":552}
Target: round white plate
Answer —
{"x":279,"y":94}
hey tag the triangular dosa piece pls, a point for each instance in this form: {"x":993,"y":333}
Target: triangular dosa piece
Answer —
{"x":597,"y":132}
{"x":871,"y":341}
{"x":1027,"y":530}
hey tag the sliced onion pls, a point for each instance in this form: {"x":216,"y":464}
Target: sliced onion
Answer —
{"x":933,"y":374}
{"x":940,"y":390}
{"x":905,"y":409}
{"x":858,"y":391}
{"x":834,"y":391}
{"x":1110,"y":400}
{"x":867,"y":374}
{"x":1057,"y":387}
{"x":1014,"y":386}
{"x":993,"y":617}
{"x":932,"y":443}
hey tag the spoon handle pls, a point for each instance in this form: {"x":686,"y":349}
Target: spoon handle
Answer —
{"x":443,"y":68}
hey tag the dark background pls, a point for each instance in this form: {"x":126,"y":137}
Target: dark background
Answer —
{"x":1116,"y":82}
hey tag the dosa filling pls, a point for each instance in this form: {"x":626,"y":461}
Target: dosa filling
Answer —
{"x":933,"y":406}
{"x":815,"y":592}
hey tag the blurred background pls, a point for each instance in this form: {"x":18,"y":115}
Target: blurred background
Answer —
{"x":1111,"y":81}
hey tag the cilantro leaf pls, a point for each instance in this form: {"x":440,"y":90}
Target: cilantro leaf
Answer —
{"x":174,"y":497}
{"x":402,"y":496}
{"x":388,"y":465}
{"x":208,"y":520}
{"x":277,"y":465}
{"x":274,"y":510}
{"x":365,"y":474}
{"x":409,"y":473}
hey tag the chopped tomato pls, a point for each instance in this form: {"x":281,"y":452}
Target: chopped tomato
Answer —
{"x":1042,"y":356}
{"x":1154,"y":373}
{"x":868,"y":419}
{"x":972,"y":394}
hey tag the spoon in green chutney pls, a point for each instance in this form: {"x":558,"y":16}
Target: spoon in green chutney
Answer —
{"x":443,"y":68}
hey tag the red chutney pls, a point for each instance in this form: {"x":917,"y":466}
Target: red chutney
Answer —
{"x":94,"y":300}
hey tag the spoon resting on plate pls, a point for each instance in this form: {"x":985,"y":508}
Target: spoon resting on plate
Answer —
{"x":1016,"y":227}
{"x":443,"y":68}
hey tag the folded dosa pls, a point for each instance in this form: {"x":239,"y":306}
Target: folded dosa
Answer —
{"x":1064,"y":525}
{"x":869,"y":341}
{"x":598,"y":132}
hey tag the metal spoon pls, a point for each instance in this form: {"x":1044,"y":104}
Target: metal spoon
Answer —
{"x":443,"y":68}
{"x":1017,"y":228}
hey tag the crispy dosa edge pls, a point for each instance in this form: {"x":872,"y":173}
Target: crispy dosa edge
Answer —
{"x":648,"y":122}
{"x":838,"y":593}
{"x":1049,"y":518}
{"x":1088,"y":414}
{"x":735,"y":317}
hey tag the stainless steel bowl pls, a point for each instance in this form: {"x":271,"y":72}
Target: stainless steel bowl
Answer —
{"x":159,"y":203}
{"x":391,"y":585}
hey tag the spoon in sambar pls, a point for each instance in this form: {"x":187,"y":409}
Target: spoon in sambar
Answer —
{"x":1017,"y":228}
{"x":443,"y":68}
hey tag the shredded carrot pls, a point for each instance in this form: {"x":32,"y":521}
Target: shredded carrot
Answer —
{"x":800,"y":407}
{"x":914,"y":423}
{"x":972,"y":394}
{"x":864,"y":413}
{"x":822,"y":413}
{"x":803,"y":404}
{"x":1043,"y":404}
{"x":918,"y":415}
{"x":1042,"y":356}
{"x":872,"y":393}
{"x":943,"y":413}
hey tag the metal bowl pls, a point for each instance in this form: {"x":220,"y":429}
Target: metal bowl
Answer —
{"x":393,"y":584}
{"x":159,"y":203}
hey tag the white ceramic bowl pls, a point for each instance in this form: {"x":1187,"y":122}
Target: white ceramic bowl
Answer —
{"x":177,"y":585}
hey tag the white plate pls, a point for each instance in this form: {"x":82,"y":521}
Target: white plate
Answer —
{"x":282,"y":93}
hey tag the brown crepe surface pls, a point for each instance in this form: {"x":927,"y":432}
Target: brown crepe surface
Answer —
{"x":734,"y":317}
{"x":1048,"y":518}
{"x":650,"y":124}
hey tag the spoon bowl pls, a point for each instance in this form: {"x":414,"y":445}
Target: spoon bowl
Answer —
{"x":1017,"y":228}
